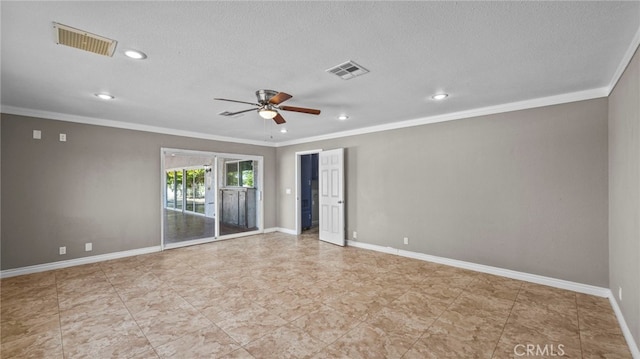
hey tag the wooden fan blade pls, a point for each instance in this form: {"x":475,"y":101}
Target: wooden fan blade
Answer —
{"x":300,"y":109}
{"x":227,"y":113}
{"x":248,"y":103}
{"x":279,"y":119}
{"x":279,"y":98}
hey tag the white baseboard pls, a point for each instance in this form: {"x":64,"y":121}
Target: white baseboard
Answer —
{"x":533,"y":278}
{"x":288,"y":231}
{"x":527,"y":277}
{"x":270,"y":230}
{"x":75,"y":262}
{"x":633,"y":346}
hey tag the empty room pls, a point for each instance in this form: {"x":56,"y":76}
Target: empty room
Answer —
{"x":319,"y":179}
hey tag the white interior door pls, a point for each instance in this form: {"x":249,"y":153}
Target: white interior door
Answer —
{"x":331,"y":188}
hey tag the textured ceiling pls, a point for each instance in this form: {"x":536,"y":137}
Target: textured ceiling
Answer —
{"x":481,"y":53}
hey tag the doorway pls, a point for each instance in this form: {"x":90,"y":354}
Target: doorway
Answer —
{"x":209,"y":196}
{"x":305,"y":191}
{"x":309,"y":207}
{"x":329,"y":169}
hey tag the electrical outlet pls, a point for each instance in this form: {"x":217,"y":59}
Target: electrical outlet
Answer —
{"x":63,"y":137}
{"x":406,"y":240}
{"x":63,"y":250}
{"x":355,"y":234}
{"x":37,"y":134}
{"x":620,"y":293}
{"x":88,"y":247}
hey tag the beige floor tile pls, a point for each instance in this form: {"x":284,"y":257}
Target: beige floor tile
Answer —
{"x":288,"y":305}
{"x":441,"y":291}
{"x":221,"y":302}
{"x":78,"y":272}
{"x":249,"y":323}
{"x":420,"y":304}
{"x":494,"y":287}
{"x":326,"y":324}
{"x":45,"y":344}
{"x":357,"y":305}
{"x":548,"y":298}
{"x":554,"y":324}
{"x":204,"y":343}
{"x":109,"y":335}
{"x":460,"y":336}
{"x":471,"y":304}
{"x":367,"y":341}
{"x":162,"y":325}
{"x":541,"y":334}
{"x":149,"y":353}
{"x":20,"y":286}
{"x":158,"y":299}
{"x":37,"y":302}
{"x":454,"y":282}
{"x":604,"y":345}
{"x":285,"y":342}
{"x":238,"y":354}
{"x":596,"y":315}
{"x":35,"y":325}
{"x":89,"y":302}
{"x":436,"y":346}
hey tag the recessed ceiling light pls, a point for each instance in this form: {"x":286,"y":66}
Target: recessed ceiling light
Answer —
{"x":343,"y":117}
{"x":440,"y":96}
{"x":283,"y":130}
{"x":104,"y":96}
{"x":135,"y":54}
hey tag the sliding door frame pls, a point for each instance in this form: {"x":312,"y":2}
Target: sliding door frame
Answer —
{"x":215,"y":168}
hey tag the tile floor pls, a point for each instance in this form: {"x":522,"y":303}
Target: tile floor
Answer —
{"x":281,"y":296}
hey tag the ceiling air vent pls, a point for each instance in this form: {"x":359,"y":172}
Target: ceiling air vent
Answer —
{"x":80,"y":39}
{"x":348,"y":70}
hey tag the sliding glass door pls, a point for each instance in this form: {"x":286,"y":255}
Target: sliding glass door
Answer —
{"x":209,"y":195}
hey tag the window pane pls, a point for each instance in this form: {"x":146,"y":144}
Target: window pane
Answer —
{"x":246,"y":171}
{"x":197,"y":188}
{"x":171,"y":195}
{"x":190,"y":190}
{"x":232,"y":174}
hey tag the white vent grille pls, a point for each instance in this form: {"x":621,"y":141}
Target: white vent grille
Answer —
{"x":69,"y":36}
{"x":348,"y":70}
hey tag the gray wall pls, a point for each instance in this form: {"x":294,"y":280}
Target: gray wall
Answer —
{"x":624,"y":194}
{"x":524,"y":190}
{"x":102,"y":186}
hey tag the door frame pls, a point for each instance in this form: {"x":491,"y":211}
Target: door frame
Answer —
{"x":215,"y":169}
{"x":298,"y":182}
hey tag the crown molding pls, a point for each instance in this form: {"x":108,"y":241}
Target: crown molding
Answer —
{"x":483,"y":111}
{"x":626,"y":59}
{"x":460,"y":115}
{"x":125,"y":125}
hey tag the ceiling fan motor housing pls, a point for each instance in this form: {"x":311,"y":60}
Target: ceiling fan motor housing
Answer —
{"x":265,"y":95}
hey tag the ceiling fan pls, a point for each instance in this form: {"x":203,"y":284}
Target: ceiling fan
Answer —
{"x":268,"y":105}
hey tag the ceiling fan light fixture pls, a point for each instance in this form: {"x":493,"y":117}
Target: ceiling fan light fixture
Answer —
{"x":267,"y":113}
